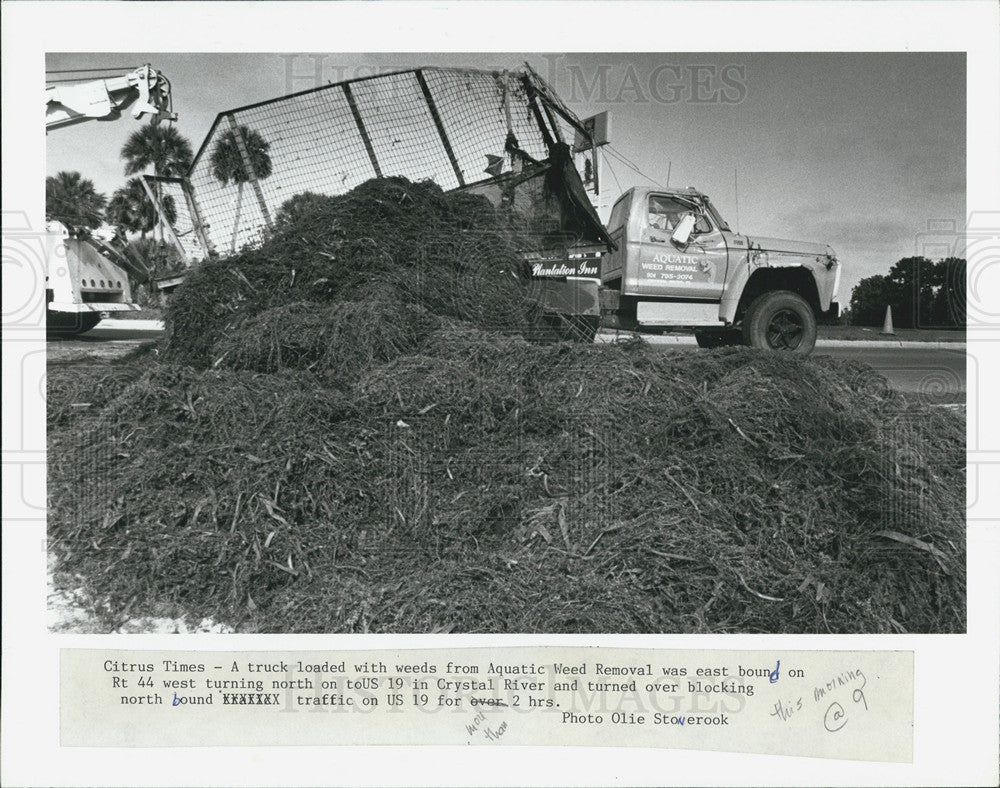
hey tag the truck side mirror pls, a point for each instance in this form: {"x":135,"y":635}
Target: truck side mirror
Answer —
{"x":682,"y":232}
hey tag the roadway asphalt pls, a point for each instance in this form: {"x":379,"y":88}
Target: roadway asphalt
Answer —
{"x":934,"y":373}
{"x":101,"y":334}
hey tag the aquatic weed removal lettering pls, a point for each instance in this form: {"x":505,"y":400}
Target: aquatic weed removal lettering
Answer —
{"x":364,"y":426}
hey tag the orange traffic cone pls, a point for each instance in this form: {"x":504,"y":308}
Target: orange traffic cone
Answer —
{"x":887,"y":325}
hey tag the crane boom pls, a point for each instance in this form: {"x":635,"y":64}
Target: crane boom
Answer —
{"x":104,"y":99}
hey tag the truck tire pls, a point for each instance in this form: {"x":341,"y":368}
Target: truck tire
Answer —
{"x":714,"y":337}
{"x":780,"y":320}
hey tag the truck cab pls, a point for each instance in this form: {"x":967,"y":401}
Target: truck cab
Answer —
{"x":676,"y":263}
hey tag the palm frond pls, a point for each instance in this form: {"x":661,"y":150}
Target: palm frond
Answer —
{"x":161,"y":147}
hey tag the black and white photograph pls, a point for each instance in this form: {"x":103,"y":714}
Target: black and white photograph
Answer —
{"x":506,"y":343}
{"x":482,"y":392}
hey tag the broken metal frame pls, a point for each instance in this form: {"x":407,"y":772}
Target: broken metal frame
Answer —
{"x":531,"y":77}
{"x":198,"y":225}
{"x":432,"y":107}
{"x":162,"y":216}
{"x":539,"y":90}
{"x":362,"y":130}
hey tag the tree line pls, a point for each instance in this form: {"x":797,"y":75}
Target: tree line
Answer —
{"x":923,"y":293}
{"x":75,"y":202}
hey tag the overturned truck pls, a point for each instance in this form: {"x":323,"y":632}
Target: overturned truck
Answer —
{"x":669,"y":260}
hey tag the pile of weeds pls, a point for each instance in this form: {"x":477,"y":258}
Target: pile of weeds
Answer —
{"x":354,"y":428}
{"x":482,"y":482}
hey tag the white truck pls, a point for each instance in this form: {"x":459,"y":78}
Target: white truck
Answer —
{"x":86,"y":278}
{"x":670,"y":262}
{"x":676,"y":263}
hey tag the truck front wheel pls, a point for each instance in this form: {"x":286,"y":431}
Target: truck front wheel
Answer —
{"x":780,"y":320}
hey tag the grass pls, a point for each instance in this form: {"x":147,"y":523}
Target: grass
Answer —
{"x":862,"y":333}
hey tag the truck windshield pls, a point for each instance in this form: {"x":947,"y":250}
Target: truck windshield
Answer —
{"x":719,"y":221}
{"x":665,"y":212}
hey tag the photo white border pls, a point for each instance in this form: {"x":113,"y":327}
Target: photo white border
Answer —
{"x":956,"y":676}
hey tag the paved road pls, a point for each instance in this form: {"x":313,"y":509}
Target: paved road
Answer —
{"x":99,"y":343}
{"x":100,"y":334}
{"x":937,"y":375}
{"x":934,"y":374}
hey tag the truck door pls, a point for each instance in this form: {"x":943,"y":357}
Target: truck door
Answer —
{"x":613,"y":262}
{"x":696,"y":271}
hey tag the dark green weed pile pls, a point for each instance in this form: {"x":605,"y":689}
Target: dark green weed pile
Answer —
{"x":403,"y":249}
{"x":320,"y":457}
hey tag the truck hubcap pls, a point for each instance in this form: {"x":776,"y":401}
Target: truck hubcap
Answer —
{"x":785,"y":330}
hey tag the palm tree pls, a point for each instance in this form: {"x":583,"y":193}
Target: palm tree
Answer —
{"x":131,"y":210}
{"x":228,"y":165}
{"x":123,"y":214}
{"x":159,"y":146}
{"x":72,"y":199}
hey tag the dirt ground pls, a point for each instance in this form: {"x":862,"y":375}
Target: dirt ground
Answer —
{"x":71,"y":611}
{"x":61,"y":352}
{"x":69,"y":608}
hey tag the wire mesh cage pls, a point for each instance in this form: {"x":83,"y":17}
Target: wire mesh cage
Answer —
{"x":457,"y":127}
{"x":177,"y":201}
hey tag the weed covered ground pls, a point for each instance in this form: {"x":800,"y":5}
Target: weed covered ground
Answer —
{"x":361,"y":427}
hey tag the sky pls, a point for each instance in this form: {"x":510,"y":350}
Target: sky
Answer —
{"x":865,"y":152}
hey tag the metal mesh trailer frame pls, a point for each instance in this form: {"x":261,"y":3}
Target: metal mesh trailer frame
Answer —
{"x":461,"y":128}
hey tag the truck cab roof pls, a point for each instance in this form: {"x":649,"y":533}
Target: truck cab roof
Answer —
{"x":689,"y":194}
{"x":642,"y":191}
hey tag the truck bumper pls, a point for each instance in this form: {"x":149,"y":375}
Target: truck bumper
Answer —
{"x":92,"y":306}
